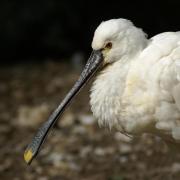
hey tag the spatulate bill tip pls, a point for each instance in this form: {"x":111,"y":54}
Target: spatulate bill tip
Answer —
{"x":28,"y":156}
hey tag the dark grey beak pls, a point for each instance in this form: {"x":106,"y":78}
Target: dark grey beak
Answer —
{"x":90,"y":68}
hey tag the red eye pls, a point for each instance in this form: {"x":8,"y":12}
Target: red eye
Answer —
{"x":108,"y":45}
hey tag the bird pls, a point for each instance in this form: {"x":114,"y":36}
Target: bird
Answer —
{"x":137,"y":83}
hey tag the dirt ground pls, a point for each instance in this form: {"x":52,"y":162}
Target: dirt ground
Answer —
{"x":77,"y":149}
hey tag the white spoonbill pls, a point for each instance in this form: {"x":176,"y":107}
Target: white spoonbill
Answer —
{"x":137,"y":88}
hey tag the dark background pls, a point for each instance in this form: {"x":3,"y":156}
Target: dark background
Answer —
{"x":55,"y":29}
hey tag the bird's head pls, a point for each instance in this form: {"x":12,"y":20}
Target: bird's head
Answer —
{"x":117,"y":39}
{"x":113,"y":40}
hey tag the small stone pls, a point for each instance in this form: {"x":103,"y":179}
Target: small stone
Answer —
{"x":125,"y":148}
{"x":86,"y":119}
{"x":29,"y":176}
{"x":85,"y":151}
{"x":123,"y":159}
{"x":55,"y":158}
{"x":79,"y":130}
{"x":149,"y":152}
{"x":104,"y":151}
{"x":43,"y":178}
{"x":74,"y":166}
{"x":99,"y":151}
{"x":39,"y":170}
{"x":175,"y":167}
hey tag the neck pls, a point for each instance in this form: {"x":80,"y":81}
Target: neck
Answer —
{"x":106,"y":93}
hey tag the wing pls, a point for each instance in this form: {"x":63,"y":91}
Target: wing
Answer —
{"x":168,"y":109}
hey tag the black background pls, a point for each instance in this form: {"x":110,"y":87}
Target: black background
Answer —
{"x":55,"y":29}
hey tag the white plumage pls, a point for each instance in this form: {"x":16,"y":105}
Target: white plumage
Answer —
{"x":138,"y":90}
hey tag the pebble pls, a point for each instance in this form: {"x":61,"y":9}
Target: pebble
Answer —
{"x":74,"y":166}
{"x":104,"y":151}
{"x":43,"y":178}
{"x":79,"y":129}
{"x":86,"y":119}
{"x":125,"y":148}
{"x":175,"y":167}
{"x":85,"y":151}
{"x":123,"y":159}
{"x":39,"y":170}
{"x":55,"y":158}
{"x":99,"y":151}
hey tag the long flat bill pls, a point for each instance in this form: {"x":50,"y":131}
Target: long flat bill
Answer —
{"x":90,"y":68}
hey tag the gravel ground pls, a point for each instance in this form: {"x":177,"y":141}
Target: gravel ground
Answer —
{"x":77,"y":149}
